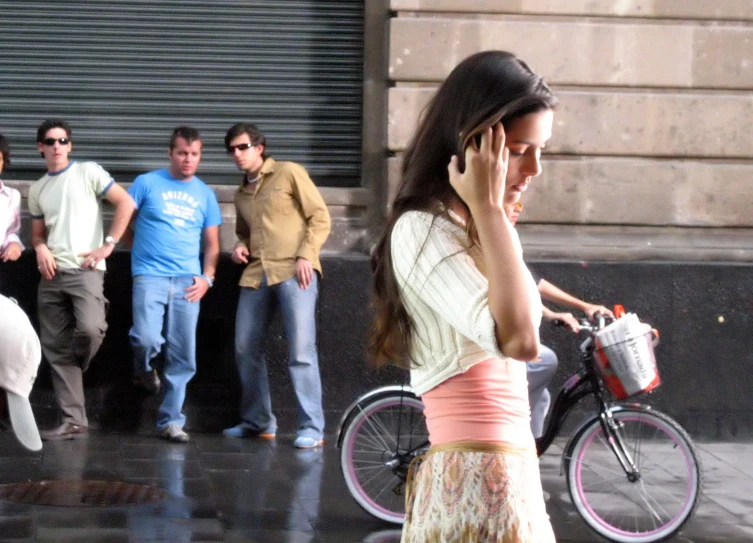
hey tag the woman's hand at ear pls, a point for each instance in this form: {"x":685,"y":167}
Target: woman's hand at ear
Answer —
{"x":482,"y":184}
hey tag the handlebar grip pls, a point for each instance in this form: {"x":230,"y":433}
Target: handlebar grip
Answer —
{"x":601,"y":320}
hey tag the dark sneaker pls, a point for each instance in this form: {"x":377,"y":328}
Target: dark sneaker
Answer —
{"x":65,"y":431}
{"x":148,"y":381}
{"x":174,"y":433}
{"x":244,"y":430}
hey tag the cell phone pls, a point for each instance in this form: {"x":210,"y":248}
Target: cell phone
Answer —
{"x":477,"y":141}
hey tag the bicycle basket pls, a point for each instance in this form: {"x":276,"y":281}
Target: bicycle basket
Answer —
{"x":628,"y":367}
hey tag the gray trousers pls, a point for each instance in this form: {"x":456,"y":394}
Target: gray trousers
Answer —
{"x":540,"y":372}
{"x":72,"y":308}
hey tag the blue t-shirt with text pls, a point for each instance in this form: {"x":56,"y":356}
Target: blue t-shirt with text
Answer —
{"x":172,"y":215}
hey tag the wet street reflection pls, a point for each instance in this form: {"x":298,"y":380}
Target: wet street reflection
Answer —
{"x":127,"y":488}
{"x":80,"y":493}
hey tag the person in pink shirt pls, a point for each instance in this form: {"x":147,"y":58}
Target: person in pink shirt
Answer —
{"x":455,"y":303}
{"x":10,"y":211}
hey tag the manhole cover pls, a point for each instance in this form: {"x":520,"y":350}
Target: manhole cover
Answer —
{"x":81,"y":493}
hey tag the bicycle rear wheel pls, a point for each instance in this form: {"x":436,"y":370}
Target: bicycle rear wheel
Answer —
{"x":380,"y":441}
{"x":659,"y":501}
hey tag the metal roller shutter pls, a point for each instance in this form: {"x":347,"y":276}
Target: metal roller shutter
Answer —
{"x":124,"y":73}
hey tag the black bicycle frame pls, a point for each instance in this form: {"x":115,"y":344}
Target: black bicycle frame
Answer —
{"x":586,"y":383}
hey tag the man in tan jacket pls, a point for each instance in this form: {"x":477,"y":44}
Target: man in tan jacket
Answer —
{"x":282,"y":223}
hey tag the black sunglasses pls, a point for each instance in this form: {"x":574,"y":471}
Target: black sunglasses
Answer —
{"x":51,"y":141}
{"x":241,"y":147}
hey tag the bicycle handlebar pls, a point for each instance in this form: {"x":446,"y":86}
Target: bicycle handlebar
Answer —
{"x":586,"y":325}
{"x":590,"y":326}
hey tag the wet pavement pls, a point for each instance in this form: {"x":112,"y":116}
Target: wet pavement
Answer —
{"x":222,"y":489}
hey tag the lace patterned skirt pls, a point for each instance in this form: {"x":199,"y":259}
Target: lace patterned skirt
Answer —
{"x":476,"y":493}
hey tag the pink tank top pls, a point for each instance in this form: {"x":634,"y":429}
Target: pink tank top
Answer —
{"x":489,"y":402}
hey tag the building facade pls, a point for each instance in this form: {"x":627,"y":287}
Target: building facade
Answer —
{"x":644,"y":199}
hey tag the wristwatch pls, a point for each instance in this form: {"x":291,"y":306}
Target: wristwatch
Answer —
{"x":111,"y":240}
{"x":209,"y":279}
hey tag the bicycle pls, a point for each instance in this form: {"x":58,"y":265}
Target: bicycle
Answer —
{"x":632,"y":472}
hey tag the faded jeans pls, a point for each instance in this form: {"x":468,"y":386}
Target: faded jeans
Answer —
{"x":540,"y":373}
{"x":159,"y":305}
{"x":298,"y":307}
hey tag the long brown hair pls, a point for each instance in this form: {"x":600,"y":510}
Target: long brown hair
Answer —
{"x":484,"y":89}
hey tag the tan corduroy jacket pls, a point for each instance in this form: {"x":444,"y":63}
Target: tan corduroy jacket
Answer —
{"x":284,"y":217}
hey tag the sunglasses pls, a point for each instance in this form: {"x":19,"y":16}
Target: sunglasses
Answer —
{"x":241,"y":147}
{"x":51,"y":141}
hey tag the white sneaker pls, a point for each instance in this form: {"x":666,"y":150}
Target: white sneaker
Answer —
{"x":303,"y":442}
{"x":174,"y":433}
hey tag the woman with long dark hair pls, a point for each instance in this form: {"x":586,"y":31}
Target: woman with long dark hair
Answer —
{"x":457,"y":306}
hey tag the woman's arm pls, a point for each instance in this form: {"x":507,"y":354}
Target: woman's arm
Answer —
{"x":511,"y":306}
{"x":554,"y":294}
{"x":567,"y":318}
{"x":515,"y":311}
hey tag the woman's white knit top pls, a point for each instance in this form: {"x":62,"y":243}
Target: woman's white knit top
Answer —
{"x":444,"y":288}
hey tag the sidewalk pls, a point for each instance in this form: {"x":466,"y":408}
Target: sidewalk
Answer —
{"x":220,"y":489}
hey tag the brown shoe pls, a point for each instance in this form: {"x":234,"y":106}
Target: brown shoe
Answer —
{"x":148,"y":381}
{"x":65,"y":431}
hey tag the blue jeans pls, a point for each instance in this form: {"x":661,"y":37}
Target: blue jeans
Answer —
{"x":540,"y":372}
{"x":160,"y":306}
{"x":254,"y":313}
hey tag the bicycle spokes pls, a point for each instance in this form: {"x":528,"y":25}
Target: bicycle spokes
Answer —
{"x":380,"y":441}
{"x":636,"y":479}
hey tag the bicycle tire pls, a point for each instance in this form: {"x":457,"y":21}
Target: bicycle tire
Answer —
{"x":370,"y":441}
{"x":623,"y":511}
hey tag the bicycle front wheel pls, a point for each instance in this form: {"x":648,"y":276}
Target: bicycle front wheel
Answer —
{"x":380,"y":441}
{"x":647,"y":508}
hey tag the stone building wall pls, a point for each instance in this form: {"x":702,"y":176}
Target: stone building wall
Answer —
{"x":651,"y":148}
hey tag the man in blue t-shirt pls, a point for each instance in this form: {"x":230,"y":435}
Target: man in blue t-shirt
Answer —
{"x":174,"y":208}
